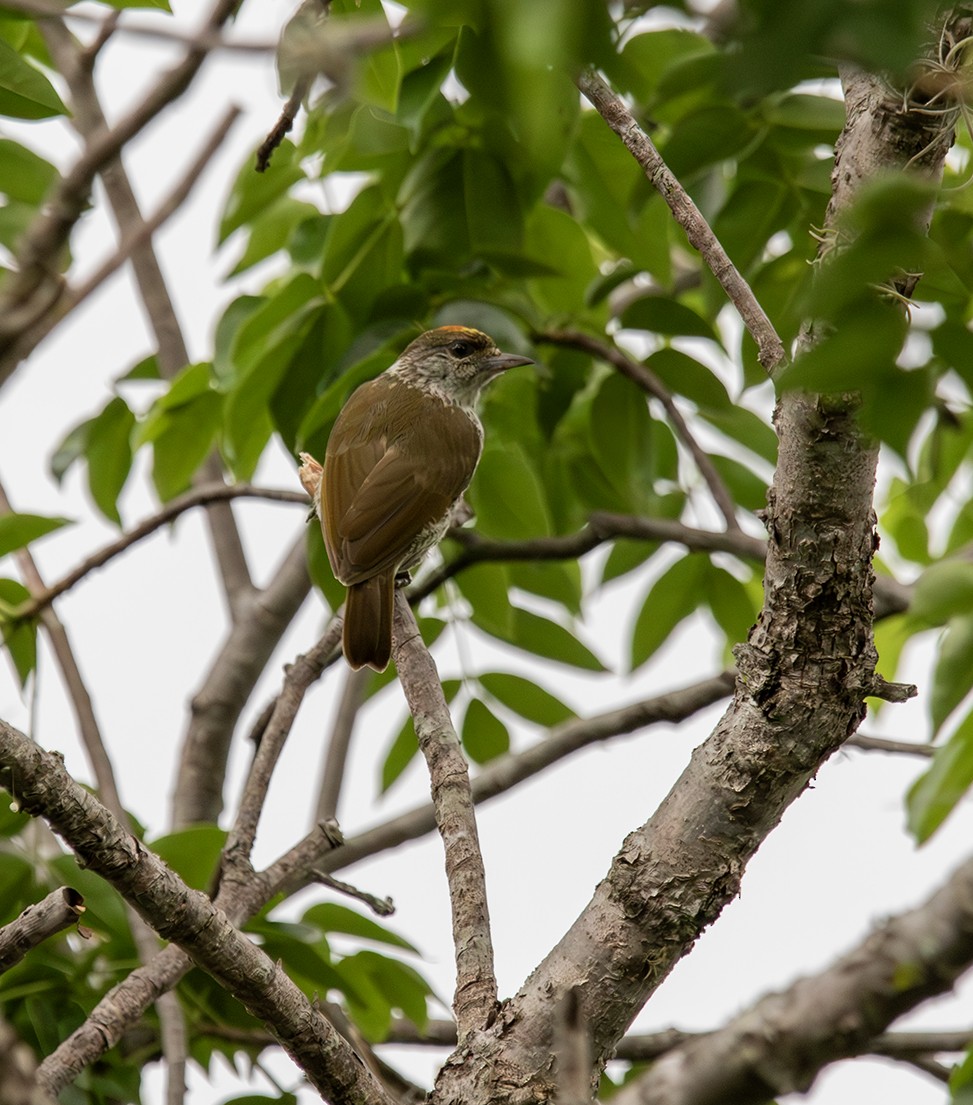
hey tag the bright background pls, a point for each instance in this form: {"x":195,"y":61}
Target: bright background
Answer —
{"x":838,"y":864}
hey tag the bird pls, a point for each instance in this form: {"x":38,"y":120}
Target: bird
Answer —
{"x":400,"y":455}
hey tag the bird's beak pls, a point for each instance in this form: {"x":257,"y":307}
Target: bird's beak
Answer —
{"x":493,"y":366}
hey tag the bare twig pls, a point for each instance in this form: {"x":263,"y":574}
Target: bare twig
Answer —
{"x":770,"y":349}
{"x":282,"y":127}
{"x":384,"y":907}
{"x":300,"y":675}
{"x":227,"y":686}
{"x":883,"y":744}
{"x":188,"y":918}
{"x":650,"y":383}
{"x":333,"y":773}
{"x":475,"y":1000}
{"x":55,"y":913}
{"x":199,"y":496}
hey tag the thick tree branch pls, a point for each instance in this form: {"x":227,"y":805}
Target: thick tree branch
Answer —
{"x":770,"y":349}
{"x":55,"y":913}
{"x":187,"y":917}
{"x":475,"y":1000}
{"x":781,"y":1044}
{"x":300,"y":865}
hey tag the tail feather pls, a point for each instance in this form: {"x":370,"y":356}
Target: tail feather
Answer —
{"x":368,"y":622}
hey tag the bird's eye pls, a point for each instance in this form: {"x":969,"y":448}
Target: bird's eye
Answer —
{"x":460,"y":349}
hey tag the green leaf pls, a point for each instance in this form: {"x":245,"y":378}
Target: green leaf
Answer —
{"x":484,"y":735}
{"x":671,"y":599}
{"x":18,"y":530}
{"x":330,"y":917}
{"x":662,"y":315}
{"x":25,"y":93}
{"x":953,"y":674}
{"x":684,"y":375}
{"x":192,"y":853}
{"x":732,"y":604}
{"x":507,"y":495}
{"x":253,"y":192}
{"x":486,"y":587}
{"x":24,"y":175}
{"x":19,"y":637}
{"x":108,"y":451}
{"x":943,"y":591}
{"x":526,"y":698}
{"x":935,"y":793}
{"x":547,"y":638}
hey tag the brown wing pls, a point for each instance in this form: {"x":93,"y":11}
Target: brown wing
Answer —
{"x":397,"y":473}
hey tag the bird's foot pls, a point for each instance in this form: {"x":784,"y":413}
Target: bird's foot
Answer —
{"x":403,"y":579}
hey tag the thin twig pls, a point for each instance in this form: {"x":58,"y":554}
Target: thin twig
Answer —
{"x":650,"y":383}
{"x":199,"y":496}
{"x":770,"y":349}
{"x":283,"y":126}
{"x":883,"y":744}
{"x":384,"y":907}
{"x":475,"y":999}
{"x":300,"y":675}
{"x":333,"y":772}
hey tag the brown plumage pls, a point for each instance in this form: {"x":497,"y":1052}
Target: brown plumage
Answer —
{"x":402,"y":452}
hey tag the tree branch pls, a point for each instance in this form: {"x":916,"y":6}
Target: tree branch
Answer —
{"x":217,"y":705}
{"x":475,"y":1000}
{"x":770,"y":349}
{"x":89,"y":119}
{"x":650,"y":383}
{"x":781,"y":1044}
{"x":35,"y":286}
{"x":55,"y":913}
{"x":187,"y":917}
{"x":199,"y":496}
{"x":333,"y":772}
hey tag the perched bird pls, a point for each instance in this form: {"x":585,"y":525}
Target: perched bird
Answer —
{"x":402,"y":452}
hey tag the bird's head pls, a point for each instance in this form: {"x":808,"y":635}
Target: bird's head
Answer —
{"x":454,"y":363}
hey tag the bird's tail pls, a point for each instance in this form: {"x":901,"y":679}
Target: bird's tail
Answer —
{"x":368,"y":622}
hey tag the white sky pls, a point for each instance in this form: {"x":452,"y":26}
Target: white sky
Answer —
{"x":839,"y":862}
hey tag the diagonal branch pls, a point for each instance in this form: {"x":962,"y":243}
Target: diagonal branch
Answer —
{"x":475,"y":1000}
{"x":650,"y":383}
{"x":770,"y":349}
{"x":187,"y":917}
{"x":199,"y":496}
{"x":782,"y":1043}
{"x":58,"y":911}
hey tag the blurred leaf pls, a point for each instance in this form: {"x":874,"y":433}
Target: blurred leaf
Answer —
{"x":935,"y":793}
{"x":253,"y":193}
{"x":953,"y":674}
{"x":193,"y":853}
{"x":507,"y":496}
{"x":18,"y":530}
{"x":108,"y":450}
{"x":943,"y":591}
{"x":661,"y":315}
{"x":484,"y":735}
{"x":20,"y":637}
{"x":673,"y":597}
{"x":25,"y":93}
{"x":24,"y":175}
{"x":548,"y":638}
{"x":332,"y":917}
{"x":525,"y":697}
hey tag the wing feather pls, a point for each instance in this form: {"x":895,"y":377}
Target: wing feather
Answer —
{"x":393,"y":476}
